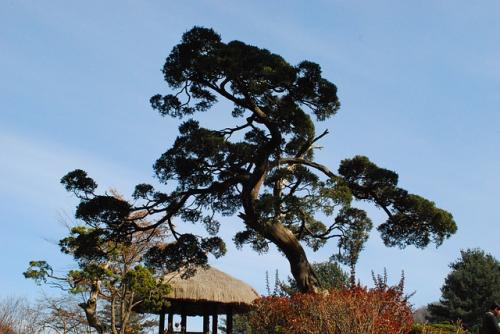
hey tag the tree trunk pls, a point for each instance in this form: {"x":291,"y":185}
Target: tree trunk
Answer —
{"x":275,"y":232}
{"x":286,"y":242}
{"x":90,"y":308}
{"x":300,"y":267}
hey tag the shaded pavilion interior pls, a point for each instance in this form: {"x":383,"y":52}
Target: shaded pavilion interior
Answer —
{"x":208,"y":293}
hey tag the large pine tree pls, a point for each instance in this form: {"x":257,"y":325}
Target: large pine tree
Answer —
{"x":262,"y":169}
{"x":469,"y":289}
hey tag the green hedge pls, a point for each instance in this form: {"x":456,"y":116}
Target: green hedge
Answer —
{"x":436,"y":329}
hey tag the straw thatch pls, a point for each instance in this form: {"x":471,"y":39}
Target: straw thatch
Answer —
{"x":208,"y":290}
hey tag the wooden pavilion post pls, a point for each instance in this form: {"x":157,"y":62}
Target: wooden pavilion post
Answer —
{"x":214,"y":322}
{"x":206,"y":323}
{"x":229,"y":321}
{"x":170,"y":326}
{"x":161,"y":327}
{"x":183,"y":323}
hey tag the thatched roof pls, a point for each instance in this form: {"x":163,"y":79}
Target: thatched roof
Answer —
{"x":208,"y":290}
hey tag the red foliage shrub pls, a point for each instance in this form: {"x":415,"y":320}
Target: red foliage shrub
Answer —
{"x":354,"y":311}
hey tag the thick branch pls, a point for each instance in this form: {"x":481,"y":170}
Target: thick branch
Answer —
{"x":90,"y":309}
{"x":173,"y":208}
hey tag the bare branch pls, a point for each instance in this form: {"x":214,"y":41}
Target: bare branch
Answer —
{"x":309,"y":144}
{"x":300,"y":161}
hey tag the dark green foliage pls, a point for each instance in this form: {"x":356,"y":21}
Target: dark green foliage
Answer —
{"x":469,"y":289}
{"x":144,"y":284}
{"x":201,"y":60}
{"x":187,"y":251}
{"x":115,"y":215}
{"x":357,"y":227}
{"x":84,"y":243}
{"x":38,"y":271}
{"x":78,"y":182}
{"x":261,"y":169}
{"x":412,"y":220}
{"x":329,"y":274}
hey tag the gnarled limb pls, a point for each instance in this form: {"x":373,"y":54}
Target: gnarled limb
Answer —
{"x":90,"y":309}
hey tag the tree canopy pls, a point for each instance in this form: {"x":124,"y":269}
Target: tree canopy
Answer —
{"x":469,"y":289}
{"x":262,"y":169}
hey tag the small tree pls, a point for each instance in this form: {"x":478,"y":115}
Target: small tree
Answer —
{"x":469,"y":289}
{"x":17,"y":316}
{"x":62,"y":315}
{"x":109,"y":273}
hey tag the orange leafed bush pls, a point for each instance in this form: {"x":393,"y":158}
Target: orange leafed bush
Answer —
{"x":354,"y":311}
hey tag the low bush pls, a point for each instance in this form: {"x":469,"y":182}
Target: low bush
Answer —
{"x":437,"y":329}
{"x":382,"y":310}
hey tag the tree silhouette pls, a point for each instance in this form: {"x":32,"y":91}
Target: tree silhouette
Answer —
{"x":262,"y":169}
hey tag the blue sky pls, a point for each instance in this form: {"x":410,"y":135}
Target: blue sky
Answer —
{"x":418,"y":81}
